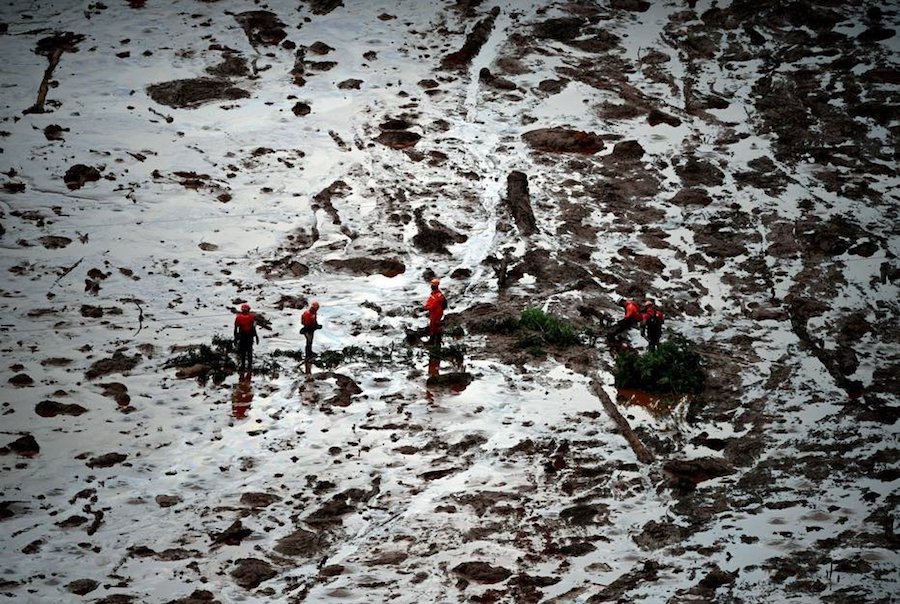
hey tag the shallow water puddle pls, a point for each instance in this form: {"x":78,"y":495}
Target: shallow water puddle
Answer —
{"x":657,"y":405}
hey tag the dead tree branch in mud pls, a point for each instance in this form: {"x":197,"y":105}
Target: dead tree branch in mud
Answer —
{"x":140,"y":316}
{"x":644,"y":454}
{"x":52,"y":48}
{"x":66,"y":271}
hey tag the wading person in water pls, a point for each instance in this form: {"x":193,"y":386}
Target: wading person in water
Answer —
{"x":309,"y":324}
{"x":435,"y":305}
{"x":244,"y":336}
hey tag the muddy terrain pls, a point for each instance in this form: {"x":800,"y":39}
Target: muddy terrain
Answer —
{"x":164,"y":163}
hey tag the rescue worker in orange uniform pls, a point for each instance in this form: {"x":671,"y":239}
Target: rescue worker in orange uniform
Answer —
{"x":435,"y":305}
{"x":652,"y":319}
{"x":244,"y":336}
{"x":632,"y":318}
{"x":309,"y":324}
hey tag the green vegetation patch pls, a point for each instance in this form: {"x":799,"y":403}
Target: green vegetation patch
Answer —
{"x":549,"y":328}
{"x":673,"y":368}
{"x":217,"y":357}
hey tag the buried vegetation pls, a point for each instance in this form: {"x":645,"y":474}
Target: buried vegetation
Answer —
{"x":673,"y":368}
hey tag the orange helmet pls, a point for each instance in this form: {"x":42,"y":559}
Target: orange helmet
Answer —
{"x":314,"y":305}
{"x":435,"y":282}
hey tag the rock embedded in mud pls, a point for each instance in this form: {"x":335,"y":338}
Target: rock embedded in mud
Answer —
{"x":628,"y":151}
{"x":263,"y":28}
{"x":259,"y":500}
{"x":190,"y":93}
{"x":698,"y":470}
{"x":198,"y":596}
{"x":389,"y":267}
{"x":635,"y":6}
{"x":79,"y":174}
{"x":196,"y":370}
{"x":323,"y":7}
{"x":233,"y":535}
{"x":54,"y":242}
{"x":232,"y":66}
{"x":584,"y":514}
{"x":398,"y":139}
{"x":81,"y":587}
{"x":106,"y":461}
{"x":26,"y":446}
{"x":119,"y":362}
{"x":166,"y":501}
{"x":301,"y":109}
{"x":699,"y":172}
{"x":53,"y":408}
{"x":456,"y":379}
{"x":657,"y":117}
{"x":691,"y":196}
{"x":21,"y":380}
{"x":655,"y":535}
{"x":482,"y":572}
{"x":250,"y":572}
{"x":301,"y":543}
{"x":563,"y":140}
{"x":54,"y":132}
{"x":561,"y":29}
{"x":518,"y":201}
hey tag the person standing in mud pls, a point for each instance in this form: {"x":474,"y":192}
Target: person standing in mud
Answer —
{"x":244,"y":336}
{"x":436,"y":304}
{"x":652,"y":319}
{"x":631,"y":319}
{"x":309,"y":324}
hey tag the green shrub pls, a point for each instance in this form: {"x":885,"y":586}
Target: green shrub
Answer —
{"x":552,"y":329}
{"x":674,"y":367}
{"x":216,"y":356}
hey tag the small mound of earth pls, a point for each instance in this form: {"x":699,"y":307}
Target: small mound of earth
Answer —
{"x":79,"y":174}
{"x":398,"y":139}
{"x":691,"y":196}
{"x":482,"y":572}
{"x":53,"y":408}
{"x":26,"y":446}
{"x":80,"y":587}
{"x":106,"y":461}
{"x":563,"y":140}
{"x":117,"y":363}
{"x":250,"y":572}
{"x":259,"y":500}
{"x":54,"y":242}
{"x":193,"y":92}
{"x":263,"y":28}
{"x":301,"y":543}
{"x":388,"y":267}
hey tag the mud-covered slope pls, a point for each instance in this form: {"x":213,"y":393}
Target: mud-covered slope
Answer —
{"x":162,"y":163}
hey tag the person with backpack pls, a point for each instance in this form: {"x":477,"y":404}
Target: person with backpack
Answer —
{"x":309,"y":324}
{"x":652,"y":319}
{"x":244,"y":336}
{"x":435,"y":305}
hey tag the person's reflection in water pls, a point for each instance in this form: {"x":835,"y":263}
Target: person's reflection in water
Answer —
{"x":242,"y":396}
{"x":434,"y":364}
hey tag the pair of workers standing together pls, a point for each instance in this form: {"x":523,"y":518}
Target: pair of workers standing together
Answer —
{"x":245,"y":326}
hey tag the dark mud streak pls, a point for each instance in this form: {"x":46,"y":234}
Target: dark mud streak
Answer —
{"x":829,"y":360}
{"x":472,"y":46}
